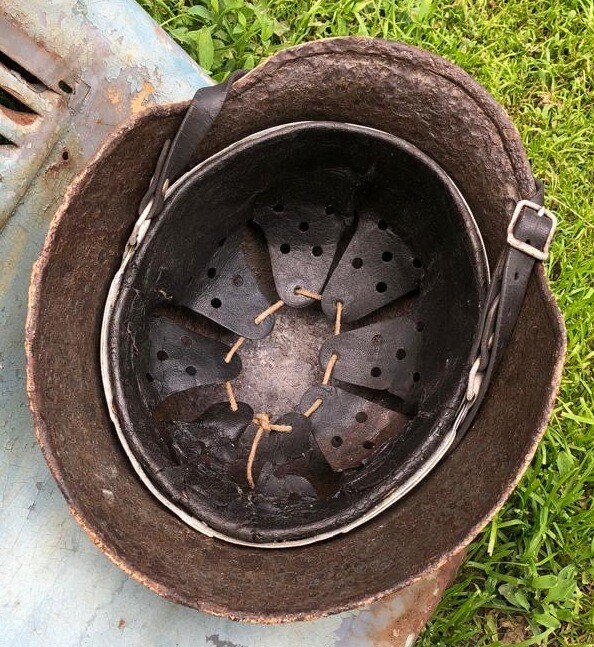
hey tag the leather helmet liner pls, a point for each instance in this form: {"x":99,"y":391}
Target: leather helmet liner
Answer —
{"x":346,"y":183}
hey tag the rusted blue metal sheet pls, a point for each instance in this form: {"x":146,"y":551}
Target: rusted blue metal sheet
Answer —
{"x":71,"y":72}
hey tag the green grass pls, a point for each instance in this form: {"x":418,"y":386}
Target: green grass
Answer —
{"x":529,"y":577}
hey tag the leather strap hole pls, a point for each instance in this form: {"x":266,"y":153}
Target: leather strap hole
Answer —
{"x":376,"y":371}
{"x":357,"y":263}
{"x":417,"y":262}
{"x":361,"y":417}
{"x":162,"y":355}
{"x":516,"y":276}
{"x":317,"y":251}
{"x":216,"y":303}
{"x":285,"y":248}
{"x":416,"y":377}
{"x":190,"y":370}
{"x":387,"y":257}
{"x":400,"y":353}
{"x":329,"y":210}
{"x":303,"y":226}
{"x":336,"y":441}
{"x":368,"y":444}
{"x":381,"y":287}
{"x":212,"y":272}
{"x":238,"y":280}
{"x":382,"y":224}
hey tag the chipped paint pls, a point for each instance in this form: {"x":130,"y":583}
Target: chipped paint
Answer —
{"x":141,"y":100}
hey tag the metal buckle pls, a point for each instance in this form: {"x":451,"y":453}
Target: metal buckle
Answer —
{"x":521,"y":245}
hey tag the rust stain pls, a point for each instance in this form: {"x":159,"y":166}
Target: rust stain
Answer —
{"x":420,"y":599}
{"x":121,"y":623}
{"x":53,"y":170}
{"x":20,"y":118}
{"x":113,"y":95}
{"x":139,"y":101}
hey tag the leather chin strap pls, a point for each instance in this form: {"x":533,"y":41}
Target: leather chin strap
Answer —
{"x":530,"y":231}
{"x":529,"y":235}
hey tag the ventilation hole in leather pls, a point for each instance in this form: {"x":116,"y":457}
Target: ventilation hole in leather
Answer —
{"x":516,"y":276}
{"x":317,"y":251}
{"x":416,"y":377}
{"x":329,"y":210}
{"x":367,"y":444}
{"x":303,"y":226}
{"x":216,"y":303}
{"x":420,"y":326}
{"x":285,"y":248}
{"x":376,"y":371}
{"x":279,"y":207}
{"x":361,"y":417}
{"x":382,"y":224}
{"x":222,"y":242}
{"x":400,"y":353}
{"x":381,"y":287}
{"x":190,"y":370}
{"x":357,"y":263}
{"x":387,"y":257}
{"x":162,"y":355}
{"x":212,"y":272}
{"x":336,"y":441}
{"x":149,"y":378}
{"x":417,"y":262}
{"x":185,"y":340}
{"x":238,"y":280}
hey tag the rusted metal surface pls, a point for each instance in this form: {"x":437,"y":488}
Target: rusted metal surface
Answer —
{"x":398,"y":620}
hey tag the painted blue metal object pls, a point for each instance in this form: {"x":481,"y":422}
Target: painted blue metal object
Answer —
{"x":70,"y":73}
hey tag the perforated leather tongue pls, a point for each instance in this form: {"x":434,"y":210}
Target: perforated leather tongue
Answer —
{"x":179,"y":359}
{"x":349,"y":429}
{"x":229,"y":293}
{"x":381,"y":356}
{"x":376,"y":268}
{"x":303,"y":228}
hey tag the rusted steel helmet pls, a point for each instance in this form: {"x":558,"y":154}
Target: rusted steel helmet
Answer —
{"x":308,"y":305}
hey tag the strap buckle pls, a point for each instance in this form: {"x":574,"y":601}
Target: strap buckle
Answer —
{"x":520,"y":244}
